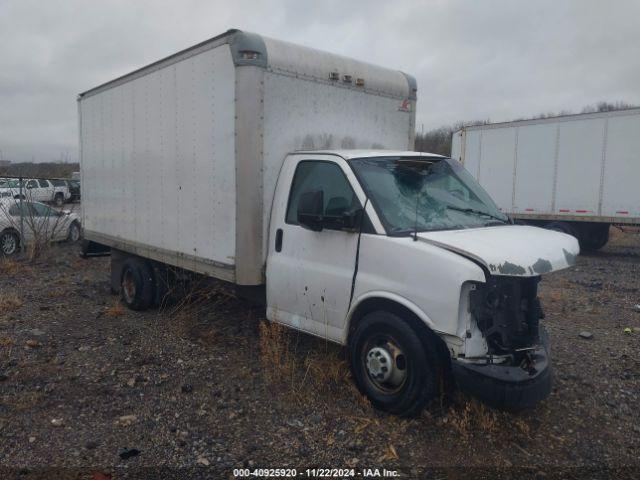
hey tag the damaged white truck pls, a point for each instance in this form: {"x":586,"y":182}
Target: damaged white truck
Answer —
{"x":285,"y":172}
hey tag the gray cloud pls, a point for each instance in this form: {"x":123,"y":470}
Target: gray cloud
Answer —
{"x":473,"y":60}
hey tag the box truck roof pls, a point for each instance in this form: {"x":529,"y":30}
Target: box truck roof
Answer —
{"x":362,"y":153}
{"x":287,"y":58}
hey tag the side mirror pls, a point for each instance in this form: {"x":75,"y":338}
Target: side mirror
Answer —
{"x":311,"y":210}
{"x":351,"y":219}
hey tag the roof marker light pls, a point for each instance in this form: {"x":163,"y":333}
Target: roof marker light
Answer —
{"x":249,"y":55}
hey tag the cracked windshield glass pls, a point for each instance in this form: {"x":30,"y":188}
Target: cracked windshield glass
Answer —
{"x":426,"y":194}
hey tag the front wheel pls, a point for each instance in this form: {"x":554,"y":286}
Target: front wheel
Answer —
{"x":74,"y":234}
{"x":9,"y":243}
{"x":392,"y":366}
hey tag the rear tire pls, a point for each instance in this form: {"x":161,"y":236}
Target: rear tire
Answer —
{"x":392,"y":366}
{"x":58,"y":200}
{"x":9,"y":243}
{"x":137,"y":286}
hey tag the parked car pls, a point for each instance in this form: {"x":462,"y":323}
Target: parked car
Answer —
{"x":74,"y":190}
{"x":39,"y":222}
{"x":39,"y":190}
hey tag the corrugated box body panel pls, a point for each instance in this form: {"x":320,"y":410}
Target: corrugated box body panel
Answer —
{"x":304,"y":110}
{"x":535,"y":169}
{"x":496,"y":164}
{"x":621,"y":179}
{"x":180,"y":158}
{"x":580,"y":167}
{"x":158,"y":159}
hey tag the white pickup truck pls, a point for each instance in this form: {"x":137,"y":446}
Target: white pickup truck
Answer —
{"x":37,"y":190}
{"x":285,"y":172}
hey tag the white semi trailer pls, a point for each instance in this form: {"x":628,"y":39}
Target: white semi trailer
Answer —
{"x":578,"y":174}
{"x":286,"y":171}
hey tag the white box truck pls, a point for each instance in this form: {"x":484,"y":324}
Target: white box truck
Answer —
{"x":283,"y":170}
{"x":576,"y":173}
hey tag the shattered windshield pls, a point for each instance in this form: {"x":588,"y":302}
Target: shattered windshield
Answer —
{"x":425,"y":194}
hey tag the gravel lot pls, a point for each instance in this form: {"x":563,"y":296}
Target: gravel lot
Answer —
{"x":197,"y":391}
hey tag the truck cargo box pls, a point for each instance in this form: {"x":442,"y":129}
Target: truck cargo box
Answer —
{"x":179,"y":159}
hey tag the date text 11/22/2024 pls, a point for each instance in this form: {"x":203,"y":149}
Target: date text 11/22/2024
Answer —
{"x":315,"y":473}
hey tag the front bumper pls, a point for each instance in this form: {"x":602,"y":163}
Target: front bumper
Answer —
{"x":508,"y":387}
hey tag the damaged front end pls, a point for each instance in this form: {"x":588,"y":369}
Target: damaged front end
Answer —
{"x":515,"y":372}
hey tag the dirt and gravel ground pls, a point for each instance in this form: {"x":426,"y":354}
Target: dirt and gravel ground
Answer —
{"x":198,"y":391}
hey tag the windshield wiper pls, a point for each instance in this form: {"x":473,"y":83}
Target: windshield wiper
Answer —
{"x":477,"y":212}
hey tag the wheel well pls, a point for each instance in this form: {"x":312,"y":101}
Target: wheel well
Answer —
{"x":425,"y":333}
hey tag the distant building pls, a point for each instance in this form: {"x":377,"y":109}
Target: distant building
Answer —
{"x":5,"y":163}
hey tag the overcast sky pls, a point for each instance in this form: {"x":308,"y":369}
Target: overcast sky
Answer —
{"x":473,"y":59}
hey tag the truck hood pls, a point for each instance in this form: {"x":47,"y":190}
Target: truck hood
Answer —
{"x":512,"y":250}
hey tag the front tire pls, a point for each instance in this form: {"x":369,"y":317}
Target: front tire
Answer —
{"x":9,"y":243}
{"x":75,"y":234}
{"x":392,"y":366}
{"x":137,"y":286}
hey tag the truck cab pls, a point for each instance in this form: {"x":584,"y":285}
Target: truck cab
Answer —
{"x":405,"y":259}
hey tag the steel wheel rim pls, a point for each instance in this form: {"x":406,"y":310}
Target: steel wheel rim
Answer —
{"x":8,"y":244}
{"x":385,"y":363}
{"x":128,"y":287}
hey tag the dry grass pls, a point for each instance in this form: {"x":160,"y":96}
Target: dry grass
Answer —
{"x":625,"y":237}
{"x":115,"y":309}
{"x":10,"y":267}
{"x":10,"y":302}
{"x":277,"y":357}
{"x":472,"y":417}
{"x":306,"y":369}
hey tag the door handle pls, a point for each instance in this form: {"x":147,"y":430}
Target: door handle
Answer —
{"x":279,"y":240}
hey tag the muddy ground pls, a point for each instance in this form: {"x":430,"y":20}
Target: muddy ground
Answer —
{"x":197,"y":391}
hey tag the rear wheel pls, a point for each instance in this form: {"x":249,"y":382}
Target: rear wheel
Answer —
{"x":137,"y":287}
{"x":9,"y":243}
{"x":58,"y":200}
{"x":392,"y":366}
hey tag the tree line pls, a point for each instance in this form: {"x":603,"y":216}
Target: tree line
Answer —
{"x":39,"y":170}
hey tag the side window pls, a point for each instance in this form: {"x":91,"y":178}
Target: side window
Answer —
{"x":32,"y":184}
{"x":14,"y":210}
{"x":43,"y":183}
{"x":59,"y":183}
{"x":321,"y":175}
{"x":41,"y":210}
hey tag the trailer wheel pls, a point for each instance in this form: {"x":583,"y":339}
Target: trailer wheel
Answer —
{"x":594,"y":238}
{"x":137,"y":288}
{"x":392,"y":366}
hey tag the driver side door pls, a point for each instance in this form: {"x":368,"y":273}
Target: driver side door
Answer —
{"x":310,"y":273}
